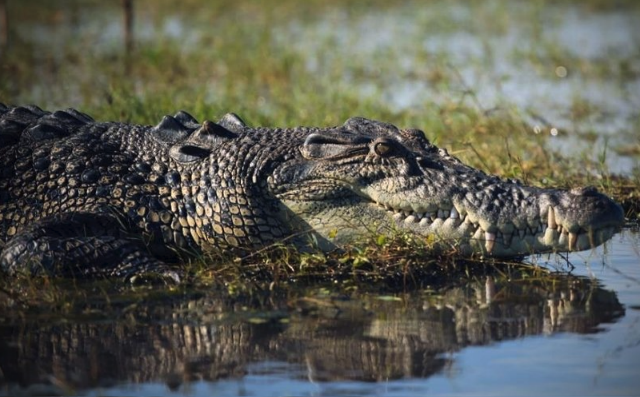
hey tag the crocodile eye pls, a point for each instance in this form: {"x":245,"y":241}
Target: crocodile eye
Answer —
{"x":383,"y":149}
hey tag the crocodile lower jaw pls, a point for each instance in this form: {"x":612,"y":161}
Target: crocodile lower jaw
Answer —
{"x":461,"y":231}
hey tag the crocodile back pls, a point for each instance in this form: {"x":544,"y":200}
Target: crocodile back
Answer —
{"x":42,"y":154}
{"x":29,"y":124}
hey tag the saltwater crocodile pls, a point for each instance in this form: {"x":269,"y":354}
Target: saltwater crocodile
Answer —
{"x":86,"y":198}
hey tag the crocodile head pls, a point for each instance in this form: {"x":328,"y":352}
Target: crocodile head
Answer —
{"x":367,"y":177}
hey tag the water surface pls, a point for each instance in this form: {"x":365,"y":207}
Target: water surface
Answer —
{"x":569,"y":333}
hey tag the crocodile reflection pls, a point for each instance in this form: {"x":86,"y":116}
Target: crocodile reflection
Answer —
{"x":365,"y":337}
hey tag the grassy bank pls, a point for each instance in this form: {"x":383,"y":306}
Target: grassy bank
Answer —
{"x":286,"y":63}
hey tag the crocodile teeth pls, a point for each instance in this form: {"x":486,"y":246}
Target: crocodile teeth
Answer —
{"x":454,"y":213}
{"x":490,"y":240}
{"x":441,"y":214}
{"x":551,"y":218}
{"x":573,"y":237}
{"x":550,"y":236}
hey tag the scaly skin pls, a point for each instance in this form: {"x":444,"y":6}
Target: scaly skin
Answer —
{"x":83,"y":198}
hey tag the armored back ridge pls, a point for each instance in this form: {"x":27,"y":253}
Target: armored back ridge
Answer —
{"x":88,"y":199}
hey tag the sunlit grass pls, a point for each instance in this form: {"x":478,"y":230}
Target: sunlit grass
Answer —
{"x":256,"y":59}
{"x":402,"y":264}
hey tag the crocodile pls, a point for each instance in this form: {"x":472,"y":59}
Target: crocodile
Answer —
{"x":82,"y":198}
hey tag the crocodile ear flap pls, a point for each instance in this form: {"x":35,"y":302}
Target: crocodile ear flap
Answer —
{"x":361,"y":125}
{"x":186,"y":153}
{"x":201,"y":142}
{"x":171,"y":129}
{"x":232,"y":122}
{"x":333,"y":145}
{"x":211,"y":133}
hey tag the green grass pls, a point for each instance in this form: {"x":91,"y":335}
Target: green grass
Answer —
{"x":383,"y":268}
{"x":260,"y":60}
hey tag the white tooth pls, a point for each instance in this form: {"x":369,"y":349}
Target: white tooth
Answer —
{"x":411,"y":219}
{"x":440,"y":214}
{"x":550,"y":237}
{"x":454,"y":213}
{"x":437,"y":224}
{"x":432,"y":215}
{"x":562,"y":239}
{"x":573,"y":237}
{"x":490,"y":240}
{"x":425,"y":221}
{"x":551,"y":218}
{"x":488,"y":245}
{"x":421,"y":215}
{"x":446,"y":213}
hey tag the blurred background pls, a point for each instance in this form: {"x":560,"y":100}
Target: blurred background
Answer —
{"x":552,"y":84}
